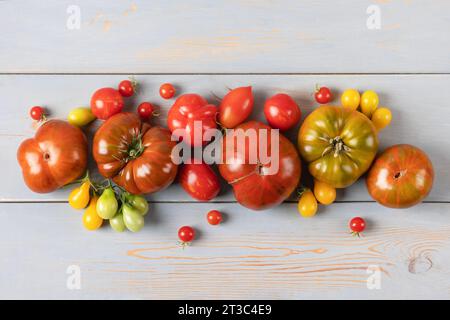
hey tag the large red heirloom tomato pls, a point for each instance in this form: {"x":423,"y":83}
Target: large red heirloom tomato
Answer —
{"x":56,"y":156}
{"x":188,"y":110}
{"x":400,"y":177}
{"x":137,"y":157}
{"x":259,"y":184}
{"x":338,"y":143}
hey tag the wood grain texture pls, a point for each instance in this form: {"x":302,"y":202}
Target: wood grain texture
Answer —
{"x":419,"y":116}
{"x":268,"y":255}
{"x":224,"y":36}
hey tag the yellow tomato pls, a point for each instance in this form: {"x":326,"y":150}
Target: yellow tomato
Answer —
{"x":307,"y":205}
{"x":324,"y":193}
{"x":350,"y":99}
{"x":79,"y":197}
{"x":80,"y":116}
{"x":91,"y":220}
{"x":381,"y":118}
{"x":369,"y":102}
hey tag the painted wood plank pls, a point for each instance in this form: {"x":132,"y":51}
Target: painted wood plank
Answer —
{"x":420,"y":118}
{"x":224,"y":36}
{"x":268,"y":255}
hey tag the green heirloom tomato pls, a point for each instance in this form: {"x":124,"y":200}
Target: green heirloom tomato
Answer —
{"x":338,"y":143}
{"x":133,"y":219}
{"x":117,"y":223}
{"x":107,"y":204}
{"x":139,"y":203}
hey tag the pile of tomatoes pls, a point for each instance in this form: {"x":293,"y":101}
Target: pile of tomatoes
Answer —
{"x":338,"y":143}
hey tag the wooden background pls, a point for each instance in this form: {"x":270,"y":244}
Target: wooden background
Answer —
{"x":206,"y":46}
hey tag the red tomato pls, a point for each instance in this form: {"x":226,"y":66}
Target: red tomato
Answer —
{"x":282,"y":112}
{"x":186,"y":234}
{"x":400,"y":177}
{"x":323,"y":95}
{"x":199,"y":181}
{"x":145,"y":110}
{"x":214,"y":217}
{"x":357,"y":225}
{"x":166,"y":90}
{"x":37,"y":113}
{"x":106,"y":102}
{"x":257,"y":185}
{"x":187,"y":110}
{"x":235,"y":107}
{"x":127,"y":88}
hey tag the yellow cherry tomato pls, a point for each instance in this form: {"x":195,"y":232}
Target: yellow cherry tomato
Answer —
{"x":369,"y":102}
{"x":79,"y":197}
{"x":91,"y":220}
{"x":324,"y":193}
{"x":381,"y":118}
{"x":307,"y":205}
{"x":80,"y":116}
{"x":350,"y":99}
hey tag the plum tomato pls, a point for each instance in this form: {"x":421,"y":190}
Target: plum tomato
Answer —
{"x":91,"y":220}
{"x":369,"y":102}
{"x":235,"y":107}
{"x":307,"y":205}
{"x":79,"y":197}
{"x":350,"y":99}
{"x":324,"y":193}
{"x":199,"y":181}
{"x":80,"y":116}
{"x":106,"y":102}
{"x":282,"y":112}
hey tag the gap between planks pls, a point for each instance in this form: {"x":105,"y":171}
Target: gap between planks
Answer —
{"x":225,"y":73}
{"x":202,"y":202}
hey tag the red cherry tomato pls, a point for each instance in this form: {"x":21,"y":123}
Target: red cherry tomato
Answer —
{"x":199,"y":181}
{"x":282,"y":112}
{"x":146,"y":110}
{"x":127,"y":88}
{"x":323,"y":95}
{"x":37,"y":113}
{"x":357,"y":225}
{"x":186,"y":234}
{"x":187,"y":111}
{"x":214,"y":217}
{"x":166,"y":91}
{"x":106,"y":102}
{"x":235,"y":107}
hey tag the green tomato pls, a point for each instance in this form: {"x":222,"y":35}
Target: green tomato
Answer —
{"x":107,"y":204}
{"x":139,"y":203}
{"x":133,"y":219}
{"x":117,"y":223}
{"x":80,"y":116}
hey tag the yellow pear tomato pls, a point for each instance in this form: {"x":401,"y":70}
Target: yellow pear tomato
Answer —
{"x":79,"y":197}
{"x":80,"y":116}
{"x":324,"y":193}
{"x":369,"y":102}
{"x":307,"y":205}
{"x":91,"y":220}
{"x":381,"y":118}
{"x":350,"y":99}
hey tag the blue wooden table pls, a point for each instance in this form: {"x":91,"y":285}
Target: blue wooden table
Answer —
{"x":57,"y":54}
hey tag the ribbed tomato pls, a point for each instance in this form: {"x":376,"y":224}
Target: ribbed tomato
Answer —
{"x":137,"y":157}
{"x":56,"y":156}
{"x":187,"y":111}
{"x":338,"y":143}
{"x":400,"y":177}
{"x":259,"y":184}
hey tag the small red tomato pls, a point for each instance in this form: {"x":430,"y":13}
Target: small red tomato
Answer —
{"x":106,"y":102}
{"x":357,"y":225}
{"x":127,"y":88}
{"x":235,"y":107}
{"x":37,"y":113}
{"x":199,"y":181}
{"x":282,"y":112}
{"x":146,"y":110}
{"x":214,"y":217}
{"x":186,"y":234}
{"x":167,"y":91}
{"x":323,"y":95}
